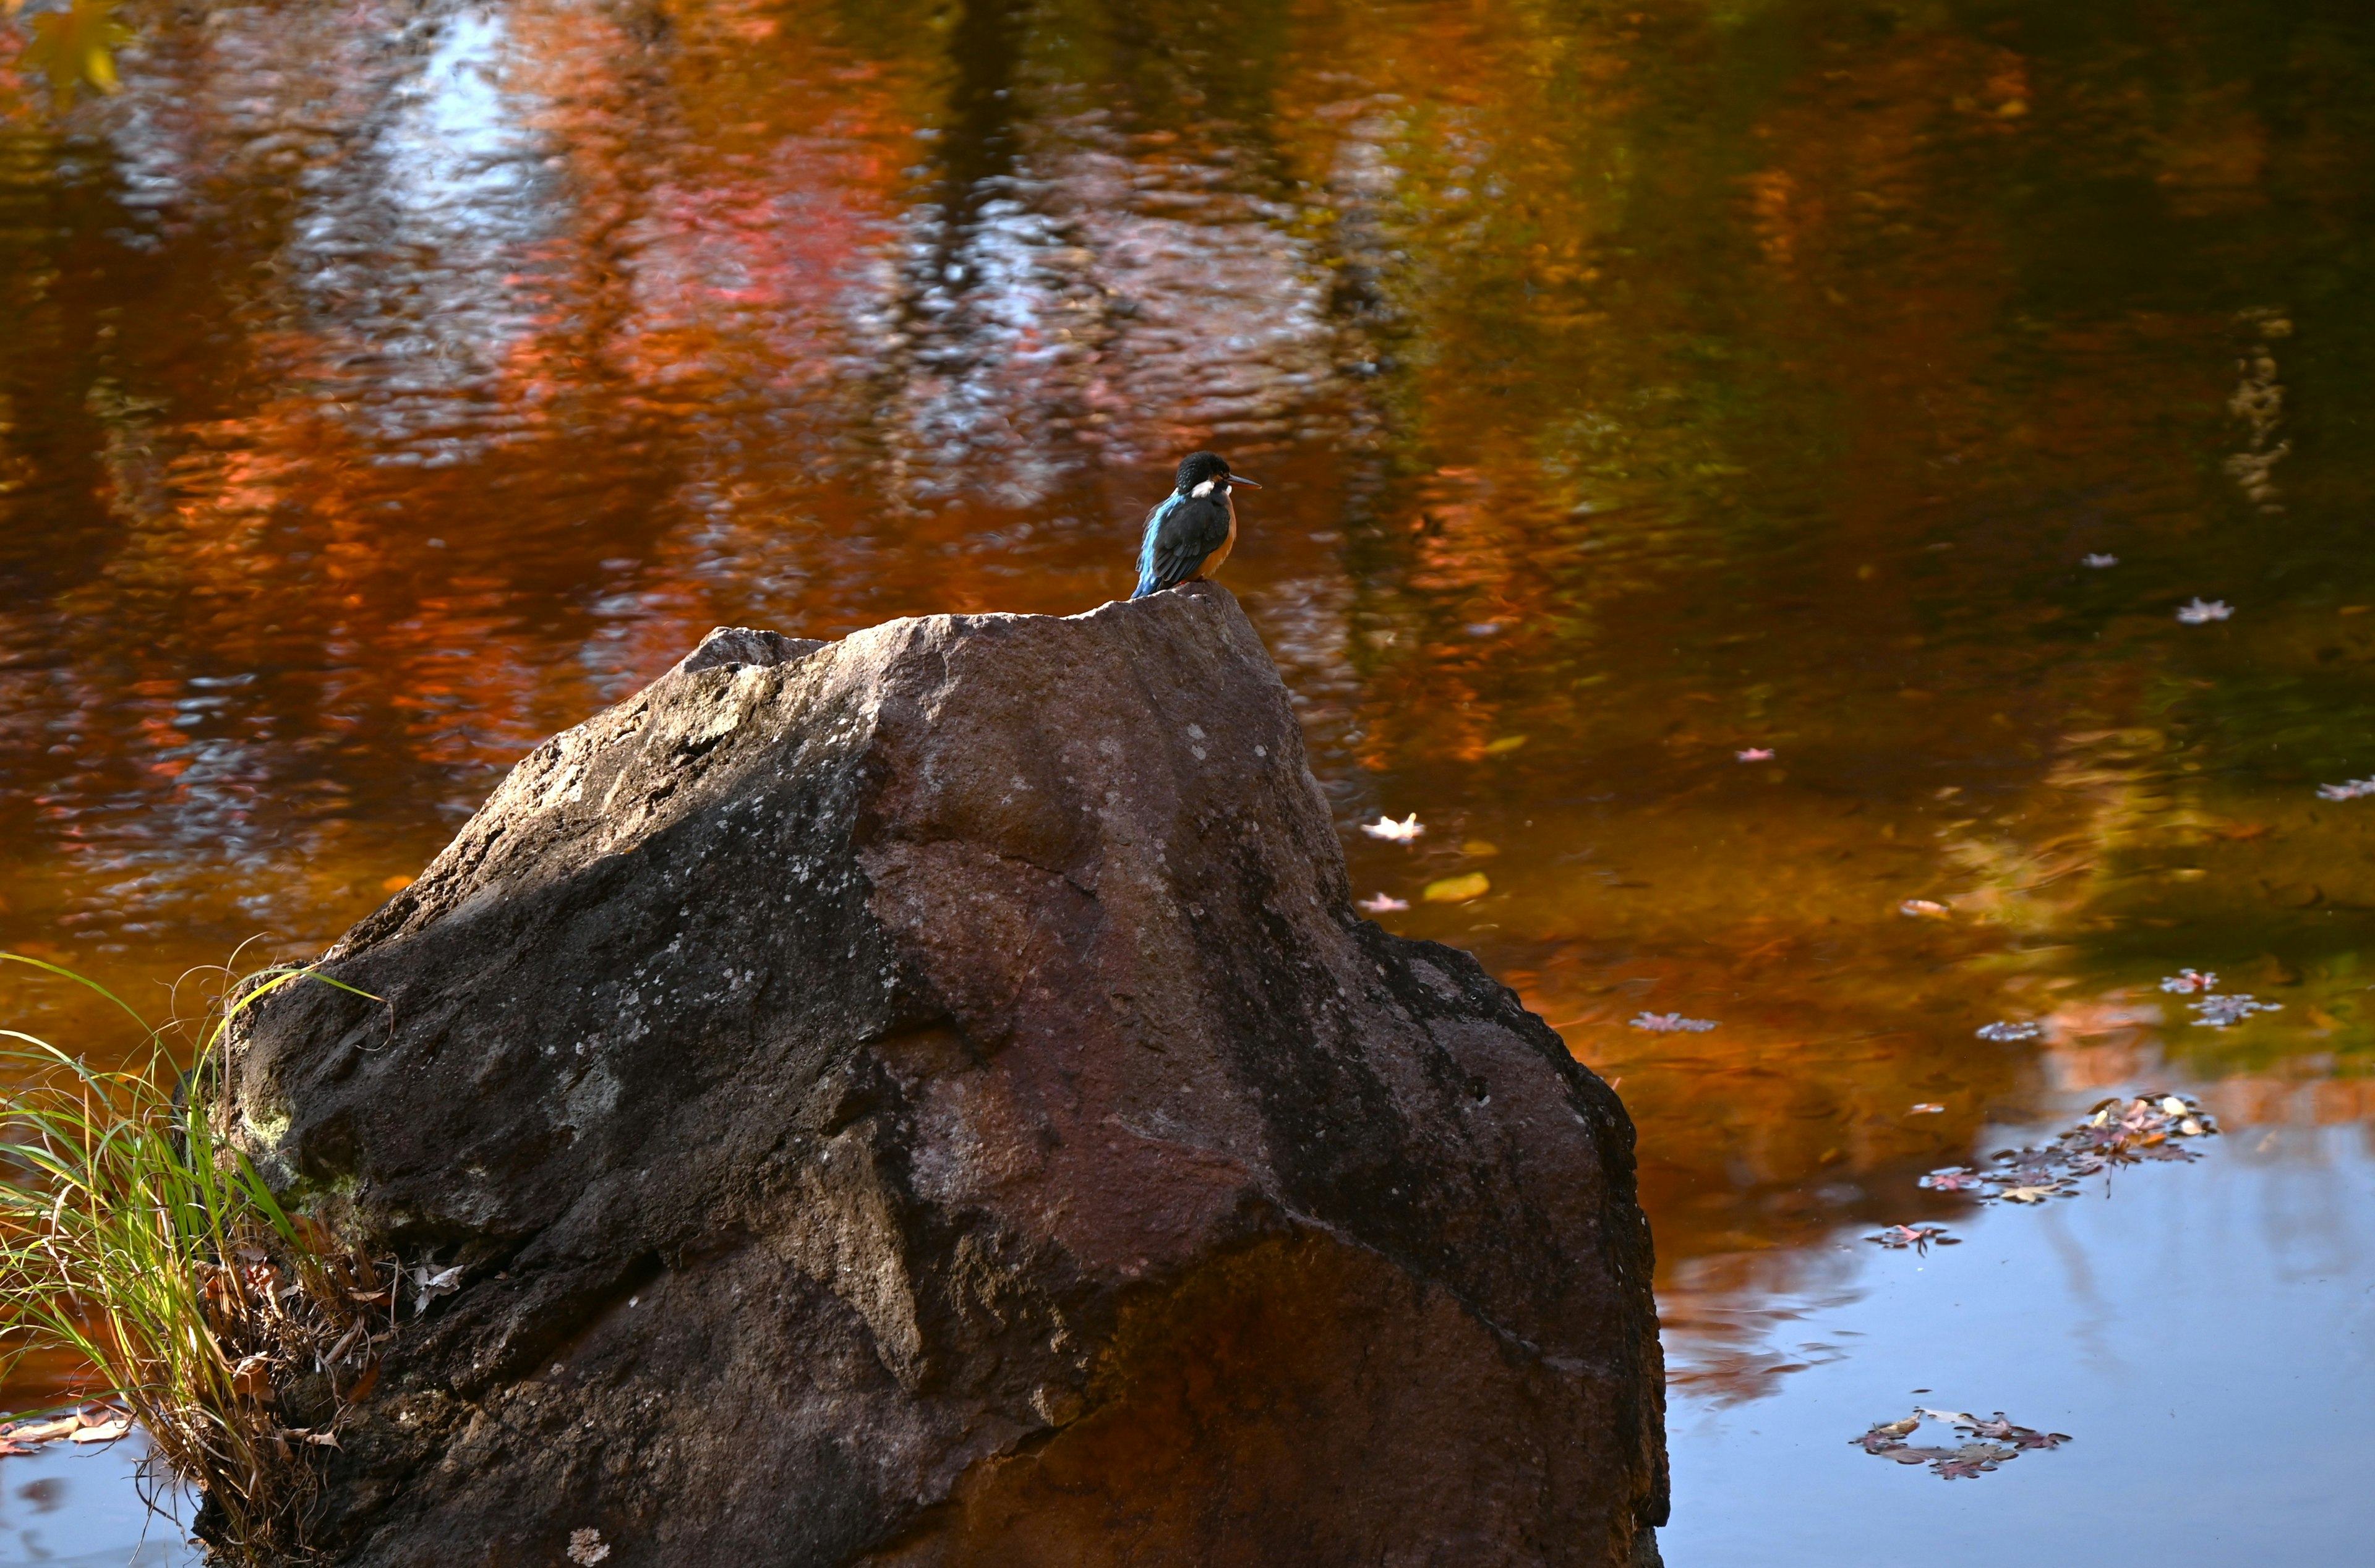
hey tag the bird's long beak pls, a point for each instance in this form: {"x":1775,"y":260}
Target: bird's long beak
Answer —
{"x":1241,"y":479}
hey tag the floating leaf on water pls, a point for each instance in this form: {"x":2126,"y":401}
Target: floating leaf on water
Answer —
{"x":1384,"y":903}
{"x":1920,"y":1237}
{"x":1924,"y":909}
{"x":1954,"y":1179}
{"x":1999,"y":1429}
{"x":75,"y":47}
{"x":2202,"y":611}
{"x":2002,"y":1031}
{"x":2036,"y":1194}
{"x":1504,"y":746}
{"x":2218,"y":1012}
{"x":1672,"y":1023}
{"x":2351,"y":789}
{"x":2098,"y":561}
{"x":1973,"y":1459}
{"x":1404,"y":832}
{"x":1927,"y":1108}
{"x":1458,"y":889}
{"x":2187,"y":981}
{"x":1885,"y":1435}
{"x":109,"y":1432}
{"x":1755,"y":754}
{"x":1480,"y":848}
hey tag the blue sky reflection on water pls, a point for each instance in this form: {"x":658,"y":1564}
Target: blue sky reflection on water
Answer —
{"x":68,"y":1507}
{"x":2205,"y":1334}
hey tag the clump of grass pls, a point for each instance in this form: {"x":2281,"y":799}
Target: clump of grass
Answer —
{"x":137,"y":1237}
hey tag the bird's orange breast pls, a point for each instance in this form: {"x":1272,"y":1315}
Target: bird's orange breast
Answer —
{"x":1212,"y":562}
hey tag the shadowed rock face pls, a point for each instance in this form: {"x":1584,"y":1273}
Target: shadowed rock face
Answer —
{"x":925,"y":1099}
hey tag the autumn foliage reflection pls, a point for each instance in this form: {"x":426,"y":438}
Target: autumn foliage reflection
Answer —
{"x":384,"y":388}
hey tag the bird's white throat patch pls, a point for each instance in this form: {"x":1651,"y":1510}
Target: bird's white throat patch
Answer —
{"x":1200,"y":491}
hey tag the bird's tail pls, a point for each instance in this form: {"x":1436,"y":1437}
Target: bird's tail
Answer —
{"x":1147,"y":584}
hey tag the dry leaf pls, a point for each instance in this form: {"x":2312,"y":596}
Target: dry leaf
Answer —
{"x":252,"y":1378}
{"x":427,"y":1285}
{"x":361,"y":1387}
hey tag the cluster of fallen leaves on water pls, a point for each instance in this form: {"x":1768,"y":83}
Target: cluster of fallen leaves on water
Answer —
{"x":1987,"y":1443}
{"x":2116,"y":1132}
{"x":86,"y":1423}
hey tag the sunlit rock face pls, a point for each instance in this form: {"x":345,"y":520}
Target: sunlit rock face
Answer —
{"x":927,"y":1099}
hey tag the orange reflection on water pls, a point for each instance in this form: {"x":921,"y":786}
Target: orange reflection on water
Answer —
{"x":385,"y":391}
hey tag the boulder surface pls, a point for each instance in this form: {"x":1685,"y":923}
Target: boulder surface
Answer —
{"x":925,"y":1099}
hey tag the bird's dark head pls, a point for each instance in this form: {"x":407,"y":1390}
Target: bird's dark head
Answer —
{"x":1209,"y":470}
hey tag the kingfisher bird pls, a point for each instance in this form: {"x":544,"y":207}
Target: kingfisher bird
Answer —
{"x":1191,"y":530}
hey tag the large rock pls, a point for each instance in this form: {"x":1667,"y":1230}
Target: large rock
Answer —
{"x":926,"y":1100}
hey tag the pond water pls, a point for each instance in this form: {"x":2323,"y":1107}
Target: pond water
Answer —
{"x":1640,"y":388}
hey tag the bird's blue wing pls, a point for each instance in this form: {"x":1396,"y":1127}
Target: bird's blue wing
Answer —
{"x":1147,"y":582}
{"x":1180,"y":532}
